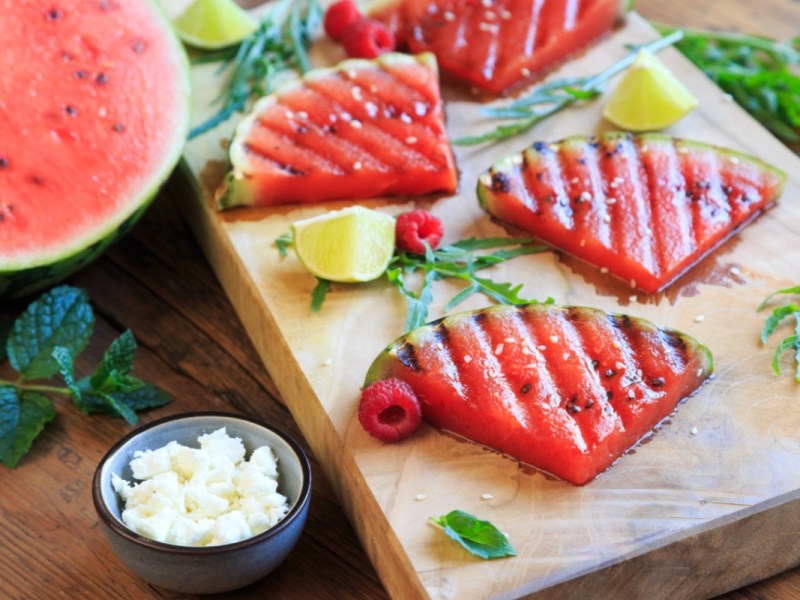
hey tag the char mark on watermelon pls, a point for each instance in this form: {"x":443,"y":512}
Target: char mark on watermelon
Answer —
{"x":498,"y":45}
{"x":94,"y":112}
{"x":567,"y":390}
{"x":646,"y":208}
{"x":360,"y":130}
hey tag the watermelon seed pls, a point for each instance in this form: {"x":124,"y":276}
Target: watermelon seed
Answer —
{"x":81,"y":74}
{"x":36,"y":180}
{"x":71,"y":110}
{"x":139,"y":46}
{"x":500,"y":182}
{"x":525,"y":389}
{"x":53,"y":14}
{"x":101,"y":78}
{"x":595,"y":363}
{"x":728,"y":190}
{"x":658,"y":382}
{"x":3,"y":162}
{"x":118,"y":127}
{"x":589,"y":404}
{"x":609,"y":373}
{"x":609,"y":394}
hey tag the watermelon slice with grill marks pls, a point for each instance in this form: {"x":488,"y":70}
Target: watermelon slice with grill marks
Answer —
{"x":363,"y":129}
{"x":645,"y":208}
{"x":496,"y":45}
{"x":567,"y":390}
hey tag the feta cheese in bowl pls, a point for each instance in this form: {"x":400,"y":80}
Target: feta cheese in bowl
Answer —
{"x":203,"y":502}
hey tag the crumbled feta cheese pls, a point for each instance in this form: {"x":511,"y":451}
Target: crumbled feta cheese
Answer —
{"x":202,"y":496}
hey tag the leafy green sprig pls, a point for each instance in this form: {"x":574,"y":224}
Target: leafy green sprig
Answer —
{"x":43,"y":342}
{"x":461,"y":260}
{"x":755,"y":71}
{"x":555,"y":96}
{"x":278,"y":44}
{"x":479,"y":537}
{"x":780,"y":314}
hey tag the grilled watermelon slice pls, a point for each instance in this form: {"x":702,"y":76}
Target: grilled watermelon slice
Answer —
{"x":359,"y":130}
{"x":94,"y":112}
{"x":565,"y":389}
{"x":496,"y":45}
{"x":645,"y":207}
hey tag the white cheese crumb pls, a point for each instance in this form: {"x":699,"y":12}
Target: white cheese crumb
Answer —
{"x":499,"y":349}
{"x":467,"y":359}
{"x":554,"y":339}
{"x":202,"y":496}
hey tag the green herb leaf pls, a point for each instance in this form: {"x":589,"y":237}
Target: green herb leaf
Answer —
{"x":5,"y":329}
{"x":558,"y":95}
{"x":22,"y":418}
{"x":278,"y":44}
{"x":283,"y":242}
{"x":319,"y":293}
{"x":61,"y":317}
{"x":117,"y":360}
{"x":142,"y":398}
{"x":66,"y":364}
{"x":481,"y":538}
{"x":778,"y":315}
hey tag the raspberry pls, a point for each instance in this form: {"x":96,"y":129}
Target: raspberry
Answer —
{"x":339,"y":16}
{"x":367,"y":38}
{"x":389,"y":410}
{"x":415,"y":227}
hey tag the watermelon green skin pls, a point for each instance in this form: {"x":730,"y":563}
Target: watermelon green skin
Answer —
{"x":103,"y":91}
{"x":643,"y":207}
{"x":498,"y":45}
{"x":363,"y":129}
{"x":567,"y":390}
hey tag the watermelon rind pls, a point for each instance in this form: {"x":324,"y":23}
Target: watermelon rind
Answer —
{"x":22,"y":277}
{"x":235,"y":190}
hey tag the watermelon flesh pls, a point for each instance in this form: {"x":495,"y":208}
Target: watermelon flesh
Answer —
{"x":644,"y":208}
{"x":567,"y":390}
{"x":360,"y":130}
{"x":94,"y":111}
{"x":496,"y":45}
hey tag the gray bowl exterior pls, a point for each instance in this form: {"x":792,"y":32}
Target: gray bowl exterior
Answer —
{"x":213,"y":569}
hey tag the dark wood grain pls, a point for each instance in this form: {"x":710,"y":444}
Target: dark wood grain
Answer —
{"x":157,"y":283}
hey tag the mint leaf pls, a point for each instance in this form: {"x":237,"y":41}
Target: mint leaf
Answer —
{"x":117,"y":360}
{"x":144,"y":397}
{"x":481,"y":538}
{"x":66,"y":364}
{"x":5,"y":329}
{"x":34,"y":410}
{"x":60,"y":317}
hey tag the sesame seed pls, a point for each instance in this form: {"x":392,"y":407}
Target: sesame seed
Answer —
{"x":505,"y":14}
{"x":554,"y":339}
{"x":357,"y":166}
{"x":355,"y":91}
{"x":467,"y":359}
{"x":734,"y":160}
{"x":611,"y":200}
{"x":607,"y":218}
{"x":372,"y":109}
{"x":449,"y":15}
{"x":405,"y":118}
{"x":542,"y":347}
{"x":302,"y":114}
{"x":490,"y":16}
{"x":574,"y":181}
{"x":604,"y":270}
{"x":525,"y":72}
{"x":486,"y":496}
{"x":619,"y":365}
{"x":510,"y":340}
{"x":411,"y":140}
{"x":631,"y":394}
{"x":499,"y":349}
{"x":699,"y":318}
{"x":420,"y":497}
{"x":586,"y":196}
{"x":356,"y":123}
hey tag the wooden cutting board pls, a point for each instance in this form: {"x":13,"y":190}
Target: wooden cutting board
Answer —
{"x":708,"y":504}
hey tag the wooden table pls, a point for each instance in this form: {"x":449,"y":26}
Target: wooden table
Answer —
{"x":157,"y":283}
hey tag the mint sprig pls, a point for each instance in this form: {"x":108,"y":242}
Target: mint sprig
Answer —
{"x":779,"y":315}
{"x":44,"y":342}
{"x":479,"y":537}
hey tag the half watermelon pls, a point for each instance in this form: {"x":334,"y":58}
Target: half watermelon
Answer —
{"x":565,"y":389}
{"x":94,"y":112}
{"x":363,"y":129}
{"x":643,"y":207}
{"x":496,"y":45}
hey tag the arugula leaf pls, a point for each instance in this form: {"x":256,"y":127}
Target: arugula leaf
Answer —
{"x":481,"y":538}
{"x":559,"y":95}
{"x":319,"y":293}
{"x":33,"y":412}
{"x":61,"y":317}
{"x":779,"y":315}
{"x":283,"y":242}
{"x":278,"y":44}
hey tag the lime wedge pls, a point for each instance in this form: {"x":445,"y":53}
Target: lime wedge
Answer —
{"x":648,"y":97}
{"x":352,"y":244}
{"x":213,"y":24}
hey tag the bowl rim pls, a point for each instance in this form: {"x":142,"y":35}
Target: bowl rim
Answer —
{"x":124,"y":531}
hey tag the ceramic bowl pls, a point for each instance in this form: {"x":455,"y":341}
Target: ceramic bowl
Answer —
{"x":204,"y":570}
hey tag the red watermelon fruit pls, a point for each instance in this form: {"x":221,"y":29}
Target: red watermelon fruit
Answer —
{"x":643,"y":207}
{"x":496,"y":45}
{"x":363,"y":129}
{"x":567,"y":390}
{"x":94,"y":113}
